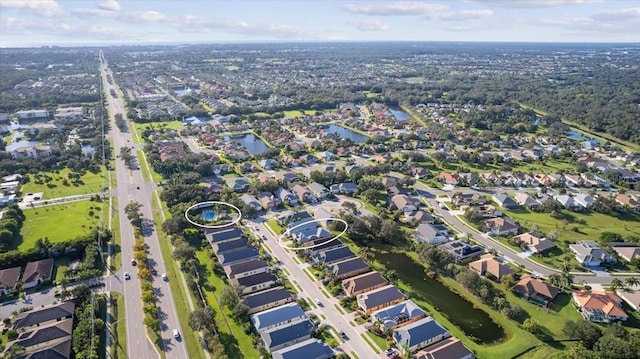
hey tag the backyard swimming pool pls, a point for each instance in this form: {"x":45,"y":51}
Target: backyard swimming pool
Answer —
{"x":208,"y":215}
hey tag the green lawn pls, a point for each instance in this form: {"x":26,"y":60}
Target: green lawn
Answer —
{"x":589,"y":225}
{"x":118,"y":348}
{"x":53,"y":222}
{"x":274,"y":226}
{"x":147,"y":172}
{"x":88,"y":184}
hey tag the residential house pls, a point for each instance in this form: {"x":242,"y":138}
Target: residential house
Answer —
{"x":36,"y":273}
{"x":246,"y":268}
{"x":363,"y":283}
{"x":268,"y":164}
{"x":303,"y":194}
{"x":567,"y":201}
{"x":431,"y":234}
{"x":624,"y":252}
{"x":535,"y":290}
{"x":238,"y":184}
{"x":628,"y":201}
{"x":398,"y":190}
{"x":285,"y":196}
{"x":230,"y":246}
{"x":347,"y":268}
{"x":500,"y":226}
{"x":504,"y":201}
{"x":448,"y":178}
{"x":460,"y":199}
{"x":379,"y":298}
{"x":461,"y":250}
{"x":285,"y":177}
{"x":308,"y":349}
{"x":251,"y":200}
{"x":348,"y":188}
{"x":573,"y":180}
{"x":223,"y":234}
{"x":489,"y":265}
{"x":599,"y":306}
{"x":388,"y":181}
{"x":9,"y":280}
{"x":418,"y":217}
{"x":320,"y":244}
{"x":419,"y":334}
{"x":238,"y":255}
{"x":450,"y":348}
{"x":284,"y":336}
{"x":334,"y":254}
{"x":397,"y":315}
{"x":403,"y":203}
{"x":44,"y":314}
{"x":584,"y":200}
{"x":268,"y":200}
{"x":326,"y":156}
{"x":267,"y":299}
{"x":590,"y":254}
{"x":631,"y":297}
{"x":420,"y":172}
{"x":526,"y":201}
{"x":486,"y":211}
{"x":278,"y":317}
{"x":255,"y":282}
{"x":318,"y":190}
{"x":534,"y":243}
{"x":51,"y":340}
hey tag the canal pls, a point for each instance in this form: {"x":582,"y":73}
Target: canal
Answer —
{"x":475,"y":323}
{"x":253,"y":144}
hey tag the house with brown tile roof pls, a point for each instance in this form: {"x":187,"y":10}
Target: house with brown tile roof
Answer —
{"x":500,"y":226}
{"x":9,"y":280}
{"x":488,"y":264}
{"x":599,"y":306}
{"x":36,"y":273}
{"x":450,"y":348}
{"x":363,"y":283}
{"x":535,"y":290}
{"x":534,"y":243}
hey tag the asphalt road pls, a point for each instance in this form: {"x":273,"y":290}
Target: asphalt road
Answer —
{"x":131,"y":186}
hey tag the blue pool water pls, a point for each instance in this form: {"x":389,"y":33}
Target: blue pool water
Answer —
{"x":208,"y":215}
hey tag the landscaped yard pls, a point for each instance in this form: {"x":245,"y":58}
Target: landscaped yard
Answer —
{"x":59,"y":222}
{"x":53,"y":184}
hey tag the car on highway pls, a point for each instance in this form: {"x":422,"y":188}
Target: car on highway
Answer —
{"x":164,"y":277}
{"x":127,"y":276}
{"x":344,"y":335}
{"x":133,"y":262}
{"x":176,"y":334}
{"x":318,"y":302}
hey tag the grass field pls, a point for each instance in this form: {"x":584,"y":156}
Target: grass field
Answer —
{"x":137,"y":129}
{"x":58,"y":222}
{"x":89,"y":183}
{"x":118,"y":332}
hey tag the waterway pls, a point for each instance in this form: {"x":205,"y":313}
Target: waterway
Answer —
{"x":253,"y":144}
{"x":346,"y":133}
{"x":474,"y":322}
{"x":400,"y":115}
{"x":575,"y":135}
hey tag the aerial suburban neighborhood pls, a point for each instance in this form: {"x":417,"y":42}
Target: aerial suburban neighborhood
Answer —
{"x":294,"y":201}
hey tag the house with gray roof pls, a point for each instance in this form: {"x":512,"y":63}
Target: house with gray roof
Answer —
{"x":236,"y":256}
{"x":37,"y":272}
{"x":285,"y":196}
{"x":251,"y":200}
{"x":332,"y":255}
{"x":246,"y":268}
{"x":283,"y":336}
{"x":318,"y":190}
{"x":431,"y":234}
{"x":505,"y":201}
{"x":590,"y":254}
{"x":363,"y":283}
{"x":397,"y":315}
{"x":9,"y":280}
{"x":379,"y":298}
{"x":230,"y":234}
{"x":39,"y":316}
{"x":526,"y":201}
{"x":230,"y":246}
{"x":281,"y":316}
{"x":420,"y":334}
{"x":255,"y":282}
{"x":347,"y":268}
{"x":267,"y":299}
{"x":39,"y":336}
{"x":308,"y":349}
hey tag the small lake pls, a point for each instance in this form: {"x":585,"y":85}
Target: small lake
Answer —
{"x":574,"y":135}
{"x":253,"y":144}
{"x":400,"y":115}
{"x":473,"y":322}
{"x":346,"y":133}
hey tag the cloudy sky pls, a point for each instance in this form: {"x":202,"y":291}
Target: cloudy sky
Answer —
{"x":87,"y":22}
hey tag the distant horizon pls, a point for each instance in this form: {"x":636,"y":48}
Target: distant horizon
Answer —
{"x":301,"y":42}
{"x":73,"y":23}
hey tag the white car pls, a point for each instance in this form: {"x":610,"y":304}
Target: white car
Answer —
{"x":127,"y":276}
{"x":176,"y":334}
{"x":164,"y":277}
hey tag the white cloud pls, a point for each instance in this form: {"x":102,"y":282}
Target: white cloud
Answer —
{"x":46,"y":8}
{"x":631,"y":14}
{"x":143,"y":16}
{"x":621,"y":20}
{"x":369,"y":25}
{"x":536,"y":3}
{"x":110,"y":5}
{"x":431,"y":11}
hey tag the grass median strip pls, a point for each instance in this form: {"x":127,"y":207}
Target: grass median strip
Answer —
{"x":119,"y":332}
{"x":370,"y":343}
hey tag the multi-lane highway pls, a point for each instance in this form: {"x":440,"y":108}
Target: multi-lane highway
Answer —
{"x":131,"y":186}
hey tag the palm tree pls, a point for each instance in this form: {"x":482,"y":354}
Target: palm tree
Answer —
{"x":555,"y":279}
{"x":616,"y":284}
{"x":631,"y":282}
